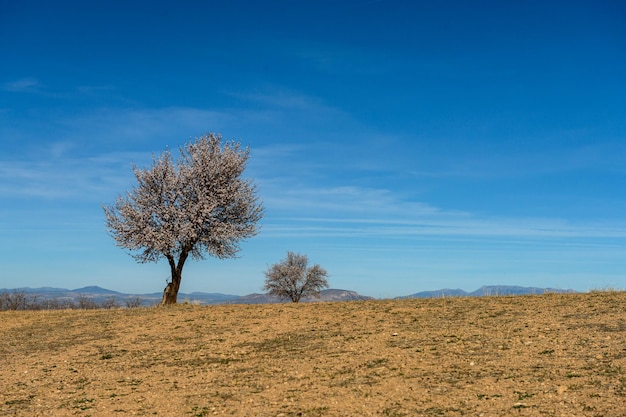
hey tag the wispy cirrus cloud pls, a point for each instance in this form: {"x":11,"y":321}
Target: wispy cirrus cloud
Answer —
{"x":297,"y":209}
{"x":23,"y":85}
{"x":301,"y":182}
{"x":448,"y":226}
{"x":33,"y":85}
{"x":290,"y":108}
{"x":120,"y":125}
{"x":64,"y":177}
{"x":607,"y":156}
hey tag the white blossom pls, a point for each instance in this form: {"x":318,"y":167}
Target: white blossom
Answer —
{"x":194,"y":206}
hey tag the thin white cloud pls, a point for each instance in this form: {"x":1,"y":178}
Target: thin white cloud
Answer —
{"x":23,"y":85}
{"x":175,"y":125}
{"x":68,"y":167}
{"x":141,"y":125}
{"x":282,"y":98}
{"x":352,"y":200}
{"x":291,"y":107}
{"x":284,"y":173}
{"x":504,"y":231}
{"x":602,"y":156}
{"x":63,"y":177}
{"x":295,"y":209}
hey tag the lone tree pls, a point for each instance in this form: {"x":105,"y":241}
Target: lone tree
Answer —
{"x":196,"y":205}
{"x":292,"y":279}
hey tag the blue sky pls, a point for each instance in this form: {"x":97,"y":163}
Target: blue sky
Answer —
{"x":402,"y":145}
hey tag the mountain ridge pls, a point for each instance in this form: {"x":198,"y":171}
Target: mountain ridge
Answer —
{"x":486,"y":290}
{"x":99,"y":295}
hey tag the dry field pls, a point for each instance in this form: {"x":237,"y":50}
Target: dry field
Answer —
{"x":545,"y":355}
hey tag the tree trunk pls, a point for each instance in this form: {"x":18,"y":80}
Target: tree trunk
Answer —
{"x":170,"y":293}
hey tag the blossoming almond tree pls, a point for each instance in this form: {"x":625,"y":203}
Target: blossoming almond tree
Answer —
{"x":196,"y":205}
{"x":291,"y":278}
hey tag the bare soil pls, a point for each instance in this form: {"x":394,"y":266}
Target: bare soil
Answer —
{"x":542,"y":355}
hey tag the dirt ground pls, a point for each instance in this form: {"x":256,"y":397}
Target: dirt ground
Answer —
{"x":544,"y":355}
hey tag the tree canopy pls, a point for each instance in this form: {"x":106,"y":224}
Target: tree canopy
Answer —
{"x":292,"y":279}
{"x":196,"y":205}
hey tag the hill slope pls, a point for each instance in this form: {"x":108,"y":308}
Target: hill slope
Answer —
{"x":540,"y":355}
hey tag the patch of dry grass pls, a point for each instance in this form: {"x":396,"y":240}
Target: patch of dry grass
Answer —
{"x":552,"y":354}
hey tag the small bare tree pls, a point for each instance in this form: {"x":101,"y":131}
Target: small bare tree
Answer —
{"x":190,"y":207}
{"x":85,"y":303}
{"x":133,"y":302}
{"x":293,"y":280}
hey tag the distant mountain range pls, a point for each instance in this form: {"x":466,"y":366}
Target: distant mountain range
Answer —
{"x":100,"y":295}
{"x":486,"y":291}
